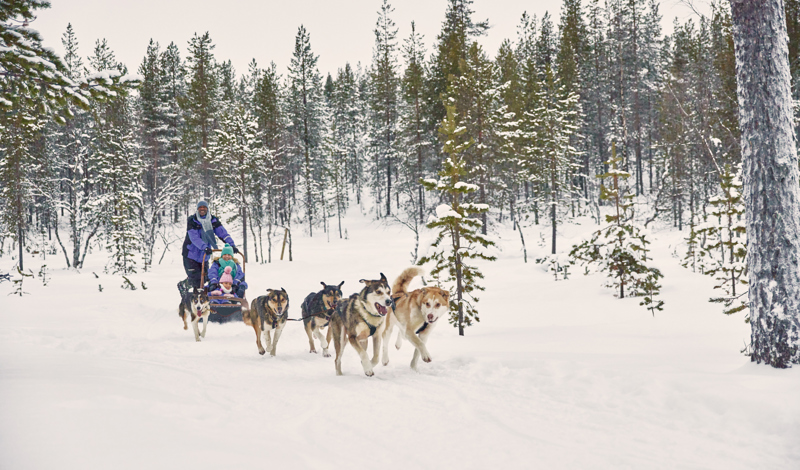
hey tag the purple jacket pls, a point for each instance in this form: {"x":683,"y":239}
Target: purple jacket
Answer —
{"x":193,"y":245}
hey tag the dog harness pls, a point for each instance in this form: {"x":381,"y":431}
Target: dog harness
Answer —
{"x":422,"y":328}
{"x":372,"y":329}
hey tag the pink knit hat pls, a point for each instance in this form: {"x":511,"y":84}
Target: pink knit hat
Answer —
{"x":226,"y":276}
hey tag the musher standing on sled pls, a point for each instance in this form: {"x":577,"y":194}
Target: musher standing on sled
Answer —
{"x":201,"y":237}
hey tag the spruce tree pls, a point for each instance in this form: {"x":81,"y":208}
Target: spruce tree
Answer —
{"x":235,"y":153}
{"x":201,"y":103}
{"x":456,"y":227}
{"x":117,"y":169}
{"x":304,"y":112}
{"x":384,"y":88}
{"x":620,"y":248}
{"x":416,"y":143}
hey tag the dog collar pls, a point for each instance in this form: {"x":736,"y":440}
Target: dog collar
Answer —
{"x":422,"y":328}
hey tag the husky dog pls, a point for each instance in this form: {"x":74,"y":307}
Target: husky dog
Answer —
{"x":358,"y":318}
{"x":415,"y":313}
{"x":194,"y":307}
{"x":268,"y":312}
{"x":317,"y":309}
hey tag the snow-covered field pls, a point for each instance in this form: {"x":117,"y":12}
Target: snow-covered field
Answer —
{"x":557,"y":375}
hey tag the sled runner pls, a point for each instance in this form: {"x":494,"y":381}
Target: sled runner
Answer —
{"x":232,"y":308}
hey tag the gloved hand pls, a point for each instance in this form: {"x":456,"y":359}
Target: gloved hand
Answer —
{"x":215,"y":292}
{"x":230,"y":296}
{"x":209,"y":251}
{"x":235,"y":250}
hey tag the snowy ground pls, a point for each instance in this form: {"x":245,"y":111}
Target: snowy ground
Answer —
{"x":557,"y":375}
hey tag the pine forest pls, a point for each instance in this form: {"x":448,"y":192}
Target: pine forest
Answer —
{"x":598,"y":113}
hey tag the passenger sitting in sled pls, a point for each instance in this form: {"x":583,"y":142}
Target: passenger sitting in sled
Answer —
{"x":225,"y":276}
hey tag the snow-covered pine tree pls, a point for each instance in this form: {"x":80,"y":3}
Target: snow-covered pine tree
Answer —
{"x":555,"y":127}
{"x":726,"y":243}
{"x":620,"y":249}
{"x":33,"y":77}
{"x":117,"y":168}
{"x":416,"y":144}
{"x":304,"y":113}
{"x":234,"y":155}
{"x":200,"y":105}
{"x":17,"y":134}
{"x":451,"y":264}
{"x":270,"y":190}
{"x":162,"y":179}
{"x":476,"y":97}
{"x":335,"y":171}
{"x":36,"y":86}
{"x":384,"y":88}
{"x":458,"y":29}
{"x":527,"y":125}
{"x":770,"y":173}
{"x":173,"y":90}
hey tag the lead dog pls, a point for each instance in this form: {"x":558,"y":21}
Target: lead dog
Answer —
{"x":198,"y":306}
{"x":268,"y":312}
{"x":360,"y":317}
{"x":317,"y":309}
{"x":416,"y":314}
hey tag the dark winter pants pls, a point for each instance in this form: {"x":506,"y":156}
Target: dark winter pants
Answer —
{"x":193,"y":271}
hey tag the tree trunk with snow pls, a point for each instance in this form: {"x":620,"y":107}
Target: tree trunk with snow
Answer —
{"x":770,"y":179}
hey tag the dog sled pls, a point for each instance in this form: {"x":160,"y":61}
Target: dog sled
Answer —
{"x":233,"y":307}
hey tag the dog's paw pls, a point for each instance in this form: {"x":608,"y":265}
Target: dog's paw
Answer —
{"x":262,"y":351}
{"x":313,"y":351}
{"x":272,"y":353}
{"x":426,"y":358}
{"x":325,"y":353}
{"x":369,"y":373}
{"x":385,"y":362}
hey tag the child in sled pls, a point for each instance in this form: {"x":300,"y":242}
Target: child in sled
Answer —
{"x":226,"y":277}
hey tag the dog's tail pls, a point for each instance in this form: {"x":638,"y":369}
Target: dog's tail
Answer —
{"x":404,"y":279}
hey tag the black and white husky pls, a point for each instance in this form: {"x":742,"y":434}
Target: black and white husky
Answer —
{"x":194,"y":307}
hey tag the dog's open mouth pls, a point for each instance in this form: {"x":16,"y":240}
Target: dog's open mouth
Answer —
{"x":380,"y":308}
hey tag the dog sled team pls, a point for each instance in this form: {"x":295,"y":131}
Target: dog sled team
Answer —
{"x":373,"y":312}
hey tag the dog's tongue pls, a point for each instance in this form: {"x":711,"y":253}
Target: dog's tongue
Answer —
{"x":381,"y":308}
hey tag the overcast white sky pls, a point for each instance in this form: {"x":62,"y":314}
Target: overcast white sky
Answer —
{"x":341,"y":30}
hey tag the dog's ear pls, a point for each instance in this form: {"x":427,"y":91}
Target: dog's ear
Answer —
{"x":340,"y":284}
{"x":424,"y":291}
{"x":323,"y":284}
{"x":363,"y":281}
{"x":194,"y":290}
{"x":383,"y":278}
{"x":284,"y":290}
{"x":270,"y":291}
{"x":446,"y":294}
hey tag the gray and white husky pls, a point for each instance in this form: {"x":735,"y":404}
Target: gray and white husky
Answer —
{"x":360,"y":317}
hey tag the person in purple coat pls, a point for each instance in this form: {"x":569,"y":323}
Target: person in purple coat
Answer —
{"x":202,"y":230}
